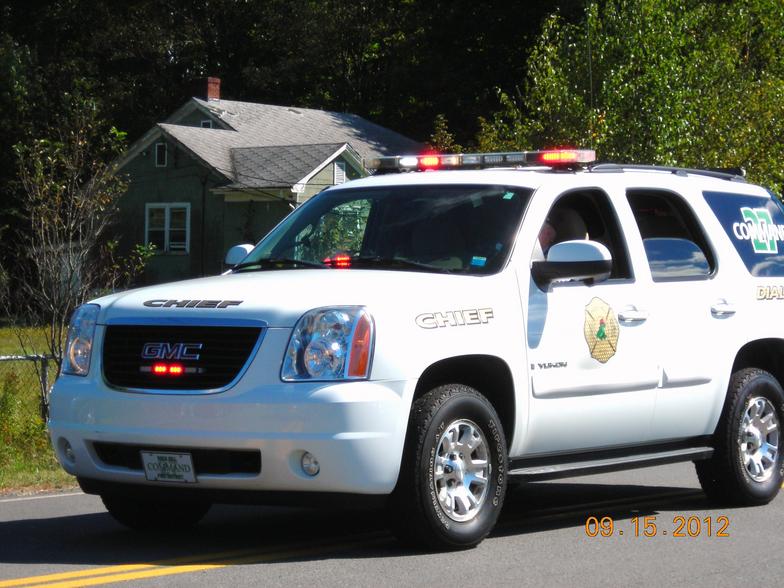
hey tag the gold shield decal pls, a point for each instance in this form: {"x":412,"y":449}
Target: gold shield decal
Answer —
{"x":601,"y":330}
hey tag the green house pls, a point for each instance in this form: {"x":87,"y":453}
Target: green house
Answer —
{"x":220,"y":172}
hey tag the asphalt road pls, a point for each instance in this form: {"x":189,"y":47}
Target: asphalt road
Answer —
{"x":69,"y":540}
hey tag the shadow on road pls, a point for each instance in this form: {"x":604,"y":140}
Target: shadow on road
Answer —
{"x":96,"y":539}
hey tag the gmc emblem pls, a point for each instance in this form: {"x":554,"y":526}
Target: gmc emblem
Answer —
{"x":171,"y":350}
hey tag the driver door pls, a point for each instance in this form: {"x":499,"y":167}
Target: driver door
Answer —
{"x":593,"y":374}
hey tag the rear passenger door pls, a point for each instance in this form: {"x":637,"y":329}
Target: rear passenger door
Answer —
{"x":691,"y":311}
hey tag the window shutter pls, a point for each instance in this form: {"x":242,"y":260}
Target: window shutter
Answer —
{"x":340,"y":172}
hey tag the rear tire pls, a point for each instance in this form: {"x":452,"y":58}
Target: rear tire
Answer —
{"x":453,"y":476}
{"x":154,"y":515}
{"x":746,"y":467}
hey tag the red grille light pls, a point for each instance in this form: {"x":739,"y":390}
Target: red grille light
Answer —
{"x":166,"y":369}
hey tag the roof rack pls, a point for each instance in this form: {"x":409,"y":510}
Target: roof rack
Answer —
{"x":735,"y":174}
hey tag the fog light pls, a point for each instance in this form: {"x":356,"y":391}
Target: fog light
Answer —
{"x":310,"y":464}
{"x":67,"y":451}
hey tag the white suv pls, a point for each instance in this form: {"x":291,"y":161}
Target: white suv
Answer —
{"x":421,"y":339}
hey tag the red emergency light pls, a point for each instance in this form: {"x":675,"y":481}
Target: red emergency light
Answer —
{"x":568,"y":158}
{"x":338,"y":261}
{"x":168,"y":369}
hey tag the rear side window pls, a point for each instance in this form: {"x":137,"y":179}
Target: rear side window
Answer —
{"x":755,"y":226}
{"x":674,"y":241}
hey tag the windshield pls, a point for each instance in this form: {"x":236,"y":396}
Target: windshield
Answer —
{"x":446,"y":229}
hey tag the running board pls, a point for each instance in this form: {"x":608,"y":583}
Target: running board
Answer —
{"x":598,"y":466}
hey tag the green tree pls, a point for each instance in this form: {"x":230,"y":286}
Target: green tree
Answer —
{"x":671,"y":82}
{"x":65,"y":243}
{"x":441,"y":139}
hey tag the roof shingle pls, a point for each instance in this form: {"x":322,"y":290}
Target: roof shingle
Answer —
{"x":271,"y":125}
{"x":277,"y":146}
{"x":281,"y":165}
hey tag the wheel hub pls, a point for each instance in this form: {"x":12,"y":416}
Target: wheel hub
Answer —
{"x":462,"y":470}
{"x":759,"y":439}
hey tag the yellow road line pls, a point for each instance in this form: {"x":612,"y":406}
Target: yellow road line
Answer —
{"x":68,"y":575}
{"x":184,"y":565}
{"x":153,"y":573}
{"x":125,"y":568}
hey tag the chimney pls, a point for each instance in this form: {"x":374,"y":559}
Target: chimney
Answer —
{"x":213,"y":88}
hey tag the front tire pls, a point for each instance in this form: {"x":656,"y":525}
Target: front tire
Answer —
{"x":154,"y":515}
{"x":453,"y":476}
{"x":746,"y":467}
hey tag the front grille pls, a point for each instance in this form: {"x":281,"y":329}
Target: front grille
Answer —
{"x":205,"y":461}
{"x":222,"y":352}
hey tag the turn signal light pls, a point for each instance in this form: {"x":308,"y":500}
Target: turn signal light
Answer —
{"x":360,"y":348}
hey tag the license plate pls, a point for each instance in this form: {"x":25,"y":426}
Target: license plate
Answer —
{"x":168,"y":467}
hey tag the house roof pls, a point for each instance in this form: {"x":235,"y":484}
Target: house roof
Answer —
{"x":262,"y":145}
{"x":212,"y":146}
{"x":281,"y":165}
{"x":272,"y":125}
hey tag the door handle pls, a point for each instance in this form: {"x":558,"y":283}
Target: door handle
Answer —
{"x":632,"y":315}
{"x":722,"y":308}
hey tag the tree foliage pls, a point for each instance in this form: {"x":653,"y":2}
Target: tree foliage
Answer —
{"x":671,"y":82}
{"x":65,"y":252}
{"x":398,"y":62}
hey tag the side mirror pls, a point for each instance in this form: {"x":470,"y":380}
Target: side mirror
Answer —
{"x":588,"y":261}
{"x":237,"y":253}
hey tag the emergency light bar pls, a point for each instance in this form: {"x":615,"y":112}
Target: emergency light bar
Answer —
{"x":563,"y":158}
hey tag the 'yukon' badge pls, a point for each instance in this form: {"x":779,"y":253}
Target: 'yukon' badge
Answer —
{"x":601,"y":330}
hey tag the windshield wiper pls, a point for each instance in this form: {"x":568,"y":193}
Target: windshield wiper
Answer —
{"x":277,"y":262}
{"x":396,"y":262}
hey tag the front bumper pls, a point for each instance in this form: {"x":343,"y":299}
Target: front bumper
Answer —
{"x":356,"y":431}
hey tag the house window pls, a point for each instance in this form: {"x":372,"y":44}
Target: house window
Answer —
{"x":340,"y":172}
{"x":168,"y":227}
{"x":160,"y":155}
{"x":206,"y":124}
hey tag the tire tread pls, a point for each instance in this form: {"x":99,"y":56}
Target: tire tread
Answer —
{"x":408,"y":518}
{"x":717,"y":475}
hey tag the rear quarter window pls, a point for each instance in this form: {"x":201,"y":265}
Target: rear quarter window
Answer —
{"x":755,"y":226}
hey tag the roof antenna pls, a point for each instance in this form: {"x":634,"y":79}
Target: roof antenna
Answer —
{"x":590,"y":75}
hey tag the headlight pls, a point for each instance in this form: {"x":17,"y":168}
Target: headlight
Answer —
{"x":79,"y":345}
{"x":330,"y":344}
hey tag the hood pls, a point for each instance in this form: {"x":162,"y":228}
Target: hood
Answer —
{"x":281,"y":297}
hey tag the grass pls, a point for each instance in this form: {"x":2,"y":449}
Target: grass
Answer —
{"x":27,"y":461}
{"x":34,"y":338}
